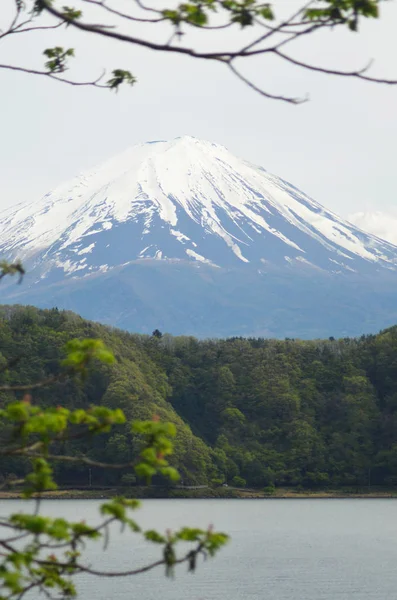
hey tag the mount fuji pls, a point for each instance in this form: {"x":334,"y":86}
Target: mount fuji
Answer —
{"x":185,"y":237}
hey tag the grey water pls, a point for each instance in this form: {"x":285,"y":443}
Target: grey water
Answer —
{"x":279,"y":550}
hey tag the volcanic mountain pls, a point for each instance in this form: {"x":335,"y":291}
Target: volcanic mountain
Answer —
{"x":184,"y":236}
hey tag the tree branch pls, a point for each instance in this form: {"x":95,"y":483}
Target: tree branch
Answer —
{"x":222,"y":56}
{"x":33,"y":386}
{"x":34,"y":28}
{"x":50,"y":75}
{"x":123,"y":15}
{"x":299,"y":24}
{"x":149,"y":567}
{"x":360,"y":74}
{"x":278,"y":29}
{"x":78,"y":459}
{"x":226,"y":56}
{"x":289,"y":100}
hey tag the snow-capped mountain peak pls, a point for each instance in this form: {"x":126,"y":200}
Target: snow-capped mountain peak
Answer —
{"x":187,"y":200}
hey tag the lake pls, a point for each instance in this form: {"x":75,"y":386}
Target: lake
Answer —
{"x":280,"y":550}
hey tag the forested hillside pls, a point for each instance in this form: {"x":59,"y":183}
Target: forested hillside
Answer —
{"x":252,"y":412}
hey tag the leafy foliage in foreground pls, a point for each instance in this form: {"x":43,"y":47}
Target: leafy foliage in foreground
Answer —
{"x":43,"y":553}
{"x":249,"y":412}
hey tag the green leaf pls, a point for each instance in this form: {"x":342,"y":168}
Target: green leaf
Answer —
{"x":266,"y":12}
{"x":120,"y":76}
{"x":171,"y":473}
{"x":40,"y":479}
{"x":153,"y":536}
{"x":80,"y":353}
{"x":71,"y":14}
{"x":58,"y":58}
{"x":189,"y":534}
{"x":39,"y":6}
{"x":7,"y":268}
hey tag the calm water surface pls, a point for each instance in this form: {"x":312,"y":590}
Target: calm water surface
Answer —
{"x":280,"y":550}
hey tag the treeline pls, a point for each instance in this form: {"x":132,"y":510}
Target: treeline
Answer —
{"x":252,"y":412}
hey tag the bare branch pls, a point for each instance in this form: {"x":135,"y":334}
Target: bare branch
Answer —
{"x":146,"y":8}
{"x":78,"y":459}
{"x":50,"y":75}
{"x":16,"y":17}
{"x":34,"y":28}
{"x":262,"y":92}
{"x":311,"y":29}
{"x":9,"y":451}
{"x":149,"y":567}
{"x":32,"y":386}
{"x":157,"y":563}
{"x":18,"y":537}
{"x":11,"y":482}
{"x":123,"y":15}
{"x":277,"y":29}
{"x":286,"y":30}
{"x":360,"y":74}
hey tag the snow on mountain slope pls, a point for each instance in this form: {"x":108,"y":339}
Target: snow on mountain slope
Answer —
{"x":187,"y":200}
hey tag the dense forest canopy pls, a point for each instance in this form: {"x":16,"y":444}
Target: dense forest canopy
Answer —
{"x":254,"y":412}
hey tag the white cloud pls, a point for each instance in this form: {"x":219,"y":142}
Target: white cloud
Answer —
{"x":381,"y":224}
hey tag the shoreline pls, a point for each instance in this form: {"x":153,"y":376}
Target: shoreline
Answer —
{"x":203,"y":494}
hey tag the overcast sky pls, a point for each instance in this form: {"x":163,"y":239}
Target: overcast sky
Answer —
{"x":340,"y":147}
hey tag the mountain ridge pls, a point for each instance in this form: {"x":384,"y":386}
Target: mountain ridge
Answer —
{"x":190,"y":200}
{"x":189,"y":233}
